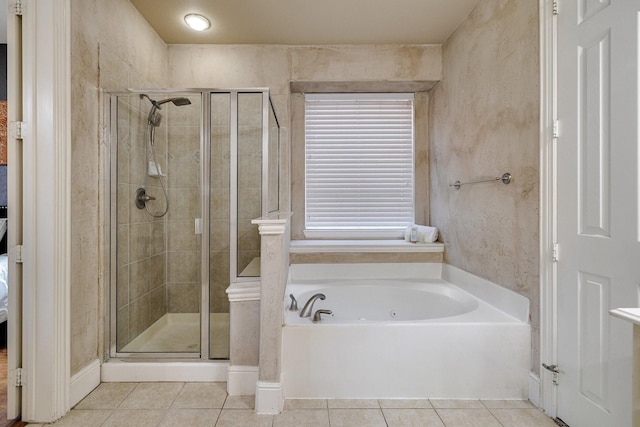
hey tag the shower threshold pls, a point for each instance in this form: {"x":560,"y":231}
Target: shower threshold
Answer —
{"x":180,"y":333}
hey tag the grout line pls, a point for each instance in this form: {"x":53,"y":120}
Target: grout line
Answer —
{"x":176,"y":396}
{"x":383,"y":416}
{"x":438,"y":414}
{"x":219,"y":414}
{"x":103,"y":423}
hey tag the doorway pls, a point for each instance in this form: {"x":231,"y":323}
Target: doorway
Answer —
{"x":591,"y":218}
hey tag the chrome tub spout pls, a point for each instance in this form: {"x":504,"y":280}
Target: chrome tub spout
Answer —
{"x":308,"y":307}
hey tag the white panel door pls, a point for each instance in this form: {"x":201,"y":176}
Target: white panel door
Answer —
{"x":598,"y":230}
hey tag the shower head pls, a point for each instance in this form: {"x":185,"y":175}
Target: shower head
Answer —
{"x":154,"y":117}
{"x":176,"y":101}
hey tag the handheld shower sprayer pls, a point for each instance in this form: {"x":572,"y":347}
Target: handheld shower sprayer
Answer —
{"x":153,"y":121}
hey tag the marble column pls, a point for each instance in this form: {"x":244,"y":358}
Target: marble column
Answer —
{"x":274,"y":267}
{"x":244,"y":339}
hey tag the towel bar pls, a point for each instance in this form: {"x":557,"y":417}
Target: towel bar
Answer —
{"x":505,"y":178}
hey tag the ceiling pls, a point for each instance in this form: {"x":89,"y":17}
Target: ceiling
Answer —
{"x":307,"y":22}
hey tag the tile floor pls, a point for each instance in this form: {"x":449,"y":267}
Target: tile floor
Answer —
{"x":207,"y":404}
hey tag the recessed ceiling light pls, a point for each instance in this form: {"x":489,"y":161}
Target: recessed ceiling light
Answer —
{"x":197,"y":22}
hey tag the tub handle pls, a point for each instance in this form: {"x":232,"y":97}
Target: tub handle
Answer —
{"x":316,"y":315}
{"x":294,"y":304}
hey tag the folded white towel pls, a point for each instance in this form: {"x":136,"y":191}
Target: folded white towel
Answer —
{"x":426,"y":234}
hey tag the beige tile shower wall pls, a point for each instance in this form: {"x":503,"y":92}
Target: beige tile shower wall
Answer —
{"x":101,"y":57}
{"x":219,"y":259}
{"x":483,"y":122}
{"x":140,"y":246}
{"x":184,"y":259}
{"x":250,"y":129}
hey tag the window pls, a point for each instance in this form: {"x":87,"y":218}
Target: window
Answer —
{"x":359,"y":165}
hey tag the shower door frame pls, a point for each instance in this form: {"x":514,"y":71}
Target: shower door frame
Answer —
{"x":110,"y":130}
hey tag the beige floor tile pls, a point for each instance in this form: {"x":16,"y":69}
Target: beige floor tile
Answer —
{"x":201,"y":395}
{"x":353,"y":404}
{"x":356,"y":418}
{"x":305,"y":404}
{"x":243,"y":418}
{"x":83,"y":418}
{"x":302,"y":417}
{"x":523,"y":418}
{"x":240,"y":402}
{"x":191,"y":417}
{"x":456,"y":404}
{"x":468,"y":418}
{"x":412,"y":418}
{"x":134,"y":417}
{"x":106,"y":396}
{"x":405,"y":403}
{"x":152,"y":396}
{"x":508,"y":404}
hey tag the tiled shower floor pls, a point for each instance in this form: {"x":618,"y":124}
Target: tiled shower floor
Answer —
{"x":180,"y":333}
{"x":207,"y":404}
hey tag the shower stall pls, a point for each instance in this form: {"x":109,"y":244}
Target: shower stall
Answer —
{"x":189,"y":170}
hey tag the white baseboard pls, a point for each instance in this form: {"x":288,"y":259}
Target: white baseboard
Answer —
{"x":84,"y":382}
{"x":269,"y":397}
{"x":131,"y":371}
{"x":534,"y":389}
{"x":241,"y":380}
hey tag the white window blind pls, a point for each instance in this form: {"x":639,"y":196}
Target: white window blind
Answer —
{"x":359,"y":165}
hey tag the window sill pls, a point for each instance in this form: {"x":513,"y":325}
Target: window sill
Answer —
{"x":362,"y":246}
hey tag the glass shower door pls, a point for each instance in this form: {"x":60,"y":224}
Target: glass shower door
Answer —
{"x":219,"y":224}
{"x":156,"y":201}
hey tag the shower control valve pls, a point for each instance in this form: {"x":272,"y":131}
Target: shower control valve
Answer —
{"x":142,"y":198}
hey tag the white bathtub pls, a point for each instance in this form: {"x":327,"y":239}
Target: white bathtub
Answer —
{"x":413,"y":336}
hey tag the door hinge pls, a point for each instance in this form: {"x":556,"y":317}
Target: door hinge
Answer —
{"x":554,"y":370}
{"x":17,"y":130}
{"x":15,"y":377}
{"x":555,"y":7}
{"x":16,"y":254}
{"x":555,"y":132}
{"x":554,"y":252}
{"x":15,"y":7}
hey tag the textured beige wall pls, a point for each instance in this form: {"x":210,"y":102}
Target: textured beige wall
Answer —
{"x":111,"y":47}
{"x":370,"y":63}
{"x":239,"y":66}
{"x":359,"y":67}
{"x":485,"y":121}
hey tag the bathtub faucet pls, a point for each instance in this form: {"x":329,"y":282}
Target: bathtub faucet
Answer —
{"x":308,"y":307}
